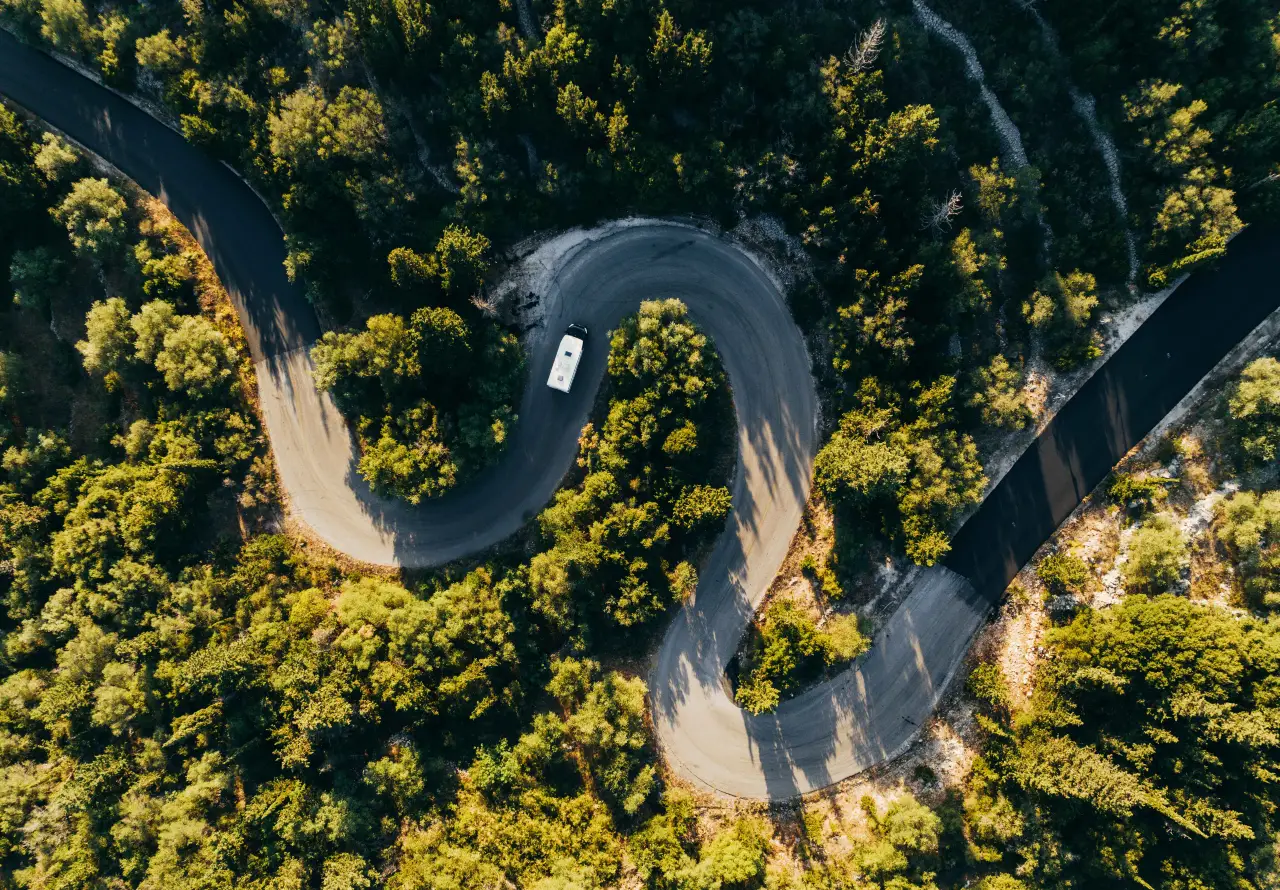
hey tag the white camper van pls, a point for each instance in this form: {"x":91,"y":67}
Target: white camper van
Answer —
{"x":568,"y":355}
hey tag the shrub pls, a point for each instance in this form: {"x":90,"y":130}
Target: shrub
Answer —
{"x":788,"y":650}
{"x":842,"y":639}
{"x":1063,"y":573}
{"x":1250,"y":530}
{"x":986,"y":684}
{"x":1139,"y":494}
{"x":1253,"y":408}
{"x":1157,"y":554}
{"x":700,"y":505}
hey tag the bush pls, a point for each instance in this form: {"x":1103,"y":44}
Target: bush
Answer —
{"x":787,"y":650}
{"x":1063,"y":573}
{"x":1253,"y":409}
{"x":999,"y":397}
{"x":842,"y":639}
{"x":1250,"y":530}
{"x":1157,"y":555}
{"x":986,"y":684}
{"x":1137,"y":494}
{"x":701,"y":505}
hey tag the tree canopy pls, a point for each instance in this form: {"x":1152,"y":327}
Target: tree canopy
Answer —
{"x":1090,"y":786}
{"x":189,"y":700}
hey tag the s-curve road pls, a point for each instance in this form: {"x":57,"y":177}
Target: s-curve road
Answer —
{"x":831,"y":732}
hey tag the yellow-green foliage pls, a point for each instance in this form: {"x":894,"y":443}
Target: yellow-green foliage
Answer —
{"x":786,"y":649}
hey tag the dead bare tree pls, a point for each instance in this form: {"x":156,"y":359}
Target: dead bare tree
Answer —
{"x":862,"y":54}
{"x":489,"y":303}
{"x":938,"y":217}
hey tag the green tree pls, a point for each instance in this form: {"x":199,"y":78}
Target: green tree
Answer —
{"x":1000,"y":882}
{"x":700,"y":505}
{"x":450,"y":654}
{"x":787,"y":649}
{"x":733,"y":859}
{"x":410,"y":269}
{"x":195,"y":358}
{"x":409,"y":459}
{"x":1138,"y":494}
{"x":621,"y":543}
{"x":10,"y":386}
{"x":660,"y":351}
{"x":460,"y":261}
{"x":1197,"y":211}
{"x":1089,"y":786}
{"x":55,"y":159}
{"x":167,"y":276}
{"x":108,"y":337}
{"x":910,"y":472}
{"x":1062,"y":308}
{"x":36,"y":275}
{"x":661,"y":848}
{"x":903,"y":849}
{"x":1157,"y":555}
{"x":65,"y":24}
{"x":998,"y":396}
{"x":443,"y":390}
{"x":161,"y":52}
{"x":1250,"y":529}
{"x":442,"y":343}
{"x":155,"y":321}
{"x":385,"y":351}
{"x":30,"y":465}
{"x":124,"y":510}
{"x":20,"y":186}
{"x":1253,"y":407}
{"x":94,"y":216}
{"x":606,"y":723}
{"x":309,"y":131}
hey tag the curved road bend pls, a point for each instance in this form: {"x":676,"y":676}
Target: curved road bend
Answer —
{"x":833,"y":731}
{"x":872,"y":712}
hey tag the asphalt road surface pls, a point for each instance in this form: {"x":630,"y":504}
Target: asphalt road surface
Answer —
{"x":859,"y":719}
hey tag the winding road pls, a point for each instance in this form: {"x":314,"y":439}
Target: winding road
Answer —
{"x":838,"y":729}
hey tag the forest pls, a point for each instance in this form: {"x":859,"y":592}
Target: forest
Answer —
{"x":406,"y":145}
{"x":190,"y":698}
